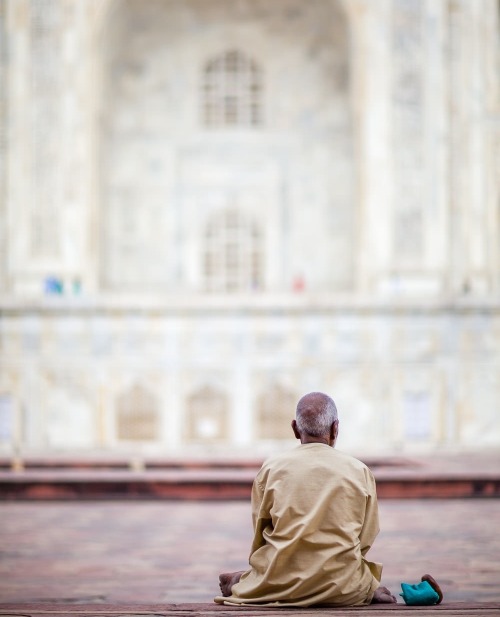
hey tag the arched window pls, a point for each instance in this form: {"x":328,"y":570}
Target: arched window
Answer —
{"x":207,"y":415}
{"x":232,"y":91}
{"x":137,"y":415}
{"x":275,"y":411}
{"x":232,"y":259}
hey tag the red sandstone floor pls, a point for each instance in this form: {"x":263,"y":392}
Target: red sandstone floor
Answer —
{"x":147,"y":552}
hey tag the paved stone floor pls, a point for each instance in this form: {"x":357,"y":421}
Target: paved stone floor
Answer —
{"x":147,"y":552}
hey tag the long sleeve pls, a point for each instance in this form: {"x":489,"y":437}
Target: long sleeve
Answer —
{"x":371,"y":526}
{"x":261,"y":518}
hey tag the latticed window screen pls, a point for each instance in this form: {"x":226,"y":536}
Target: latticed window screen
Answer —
{"x":275,"y":412}
{"x":233,"y":253}
{"x":232,"y":91}
{"x":137,"y":415}
{"x":207,"y":415}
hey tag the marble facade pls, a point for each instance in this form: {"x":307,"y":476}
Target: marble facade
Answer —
{"x":239,"y":202}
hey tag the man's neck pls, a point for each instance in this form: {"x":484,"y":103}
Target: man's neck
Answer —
{"x":310,"y":439}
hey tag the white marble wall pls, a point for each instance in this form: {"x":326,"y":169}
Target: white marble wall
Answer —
{"x":404,"y":377}
{"x":165,"y":173}
{"x":50,"y":158}
{"x":376,"y":176}
{"x":426,"y":97}
{"x":3,"y":143}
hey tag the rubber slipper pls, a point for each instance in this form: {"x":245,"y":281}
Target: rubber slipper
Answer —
{"x":434,"y":585}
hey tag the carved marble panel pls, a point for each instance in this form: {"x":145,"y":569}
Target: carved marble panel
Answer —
{"x":46,"y":92}
{"x":68,"y":408}
{"x":3,"y":141}
{"x":407,"y":131}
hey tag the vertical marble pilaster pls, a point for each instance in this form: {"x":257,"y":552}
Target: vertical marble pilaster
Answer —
{"x":91,"y":17}
{"x":33,"y":92}
{"x":50,"y":154}
{"x":46,"y":103}
{"x":3,"y":142}
{"x":477,"y":16}
{"x":73,"y":168}
{"x":15,"y":95}
{"x":473,"y":102}
{"x":491,"y":59}
{"x":456,"y":146}
{"x":435,"y":146}
{"x":419,"y":225}
{"x":241,"y":395}
{"x":408,"y":117}
{"x":370,"y":49}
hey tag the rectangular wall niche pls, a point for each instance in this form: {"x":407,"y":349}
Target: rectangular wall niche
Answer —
{"x":7,"y":419}
{"x":417,"y":416}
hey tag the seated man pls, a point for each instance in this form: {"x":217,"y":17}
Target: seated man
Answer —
{"x":315,"y":516}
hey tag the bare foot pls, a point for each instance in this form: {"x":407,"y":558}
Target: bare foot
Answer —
{"x":383,"y":596}
{"x":227,"y":580}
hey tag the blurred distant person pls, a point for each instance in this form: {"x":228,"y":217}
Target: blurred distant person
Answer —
{"x":315,"y":515}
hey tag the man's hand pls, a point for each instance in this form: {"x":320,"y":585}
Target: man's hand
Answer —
{"x":383,"y":596}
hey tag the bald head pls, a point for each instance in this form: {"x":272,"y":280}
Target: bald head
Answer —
{"x":316,"y":413}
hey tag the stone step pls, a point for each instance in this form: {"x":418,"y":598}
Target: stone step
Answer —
{"x":456,"y":609}
{"x":69,"y":478}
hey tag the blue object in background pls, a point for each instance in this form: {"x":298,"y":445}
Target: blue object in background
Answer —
{"x":53,"y":286}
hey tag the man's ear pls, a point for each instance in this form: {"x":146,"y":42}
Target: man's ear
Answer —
{"x":295,"y":429}
{"x":334,"y":431}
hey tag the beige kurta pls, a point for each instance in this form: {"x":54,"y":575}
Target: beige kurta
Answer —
{"x":315,"y":516}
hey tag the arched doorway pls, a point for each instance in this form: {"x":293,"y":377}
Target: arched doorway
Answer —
{"x":207,"y":415}
{"x":137,"y":415}
{"x":244,"y":101}
{"x":275,"y":411}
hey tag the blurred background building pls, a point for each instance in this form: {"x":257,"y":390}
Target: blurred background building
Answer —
{"x":211,"y":207}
